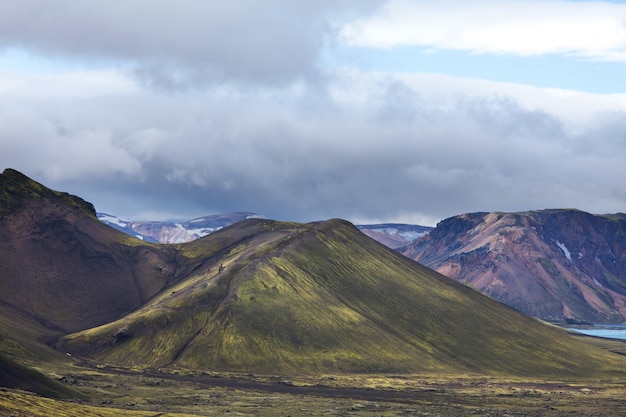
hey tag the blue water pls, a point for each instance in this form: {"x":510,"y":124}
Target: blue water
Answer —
{"x":613,"y":331}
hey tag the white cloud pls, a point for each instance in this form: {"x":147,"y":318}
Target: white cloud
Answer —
{"x":78,"y":83}
{"x":588,"y":29}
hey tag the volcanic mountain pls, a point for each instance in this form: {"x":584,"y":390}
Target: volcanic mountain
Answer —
{"x":553,"y":264}
{"x":259,"y":296}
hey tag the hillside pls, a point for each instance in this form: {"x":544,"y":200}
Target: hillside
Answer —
{"x":553,"y":264}
{"x":259,"y":296}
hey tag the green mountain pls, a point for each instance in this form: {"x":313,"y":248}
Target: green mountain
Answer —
{"x":270,"y":297}
{"x":260,"y":296}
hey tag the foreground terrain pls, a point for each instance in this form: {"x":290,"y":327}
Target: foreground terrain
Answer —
{"x":113,"y":392}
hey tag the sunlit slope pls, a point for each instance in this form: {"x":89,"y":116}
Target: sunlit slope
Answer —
{"x":271,"y":297}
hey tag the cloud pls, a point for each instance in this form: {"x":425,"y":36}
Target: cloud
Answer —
{"x":183,"y":43}
{"x":371,"y":146}
{"x":239,"y":120}
{"x":586,"y":29}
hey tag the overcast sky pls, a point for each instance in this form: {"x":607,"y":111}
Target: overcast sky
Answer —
{"x":372,"y":111}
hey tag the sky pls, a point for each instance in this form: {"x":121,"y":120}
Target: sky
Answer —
{"x":367,"y":110}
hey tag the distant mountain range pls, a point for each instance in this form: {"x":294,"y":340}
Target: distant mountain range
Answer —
{"x":175,"y":232}
{"x":259,"y":296}
{"x":391,"y":234}
{"x":553,"y":264}
{"x":394,"y":235}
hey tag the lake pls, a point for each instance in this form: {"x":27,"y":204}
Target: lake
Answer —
{"x":613,"y":331}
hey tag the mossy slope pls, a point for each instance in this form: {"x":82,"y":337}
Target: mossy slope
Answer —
{"x":271,"y":297}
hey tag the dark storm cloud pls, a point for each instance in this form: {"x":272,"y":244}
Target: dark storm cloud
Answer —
{"x":185,"y":42}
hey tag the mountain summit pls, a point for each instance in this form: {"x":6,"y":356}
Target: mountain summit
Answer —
{"x":16,"y":190}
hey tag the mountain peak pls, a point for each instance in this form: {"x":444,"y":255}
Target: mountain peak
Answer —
{"x":16,"y":189}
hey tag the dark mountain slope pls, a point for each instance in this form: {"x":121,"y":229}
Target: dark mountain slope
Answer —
{"x":59,"y":264}
{"x":271,"y":297}
{"x":553,"y":264}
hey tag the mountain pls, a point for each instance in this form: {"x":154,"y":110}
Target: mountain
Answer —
{"x":553,"y":264}
{"x":259,"y":296}
{"x":272,"y":297}
{"x":394,"y":235}
{"x":173,"y":232}
{"x":66,"y":269}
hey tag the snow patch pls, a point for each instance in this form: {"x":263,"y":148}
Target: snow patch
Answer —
{"x":566,"y":251}
{"x":113,"y":220}
{"x":388,"y":230}
{"x":411,"y":236}
{"x":597,"y":283}
{"x":203,"y":231}
{"x":139,"y":237}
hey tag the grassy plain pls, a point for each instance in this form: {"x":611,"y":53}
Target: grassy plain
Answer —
{"x":177,"y":392}
{"x":115,"y":391}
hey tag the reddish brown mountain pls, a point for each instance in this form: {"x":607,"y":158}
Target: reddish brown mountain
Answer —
{"x":62,"y":266}
{"x":552,"y":264}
